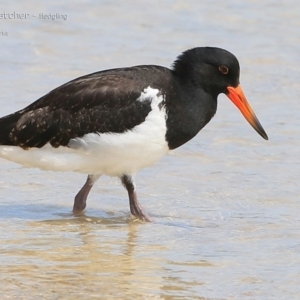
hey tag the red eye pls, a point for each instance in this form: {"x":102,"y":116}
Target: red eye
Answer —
{"x":224,"y":69}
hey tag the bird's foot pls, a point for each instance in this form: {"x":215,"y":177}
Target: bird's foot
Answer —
{"x":77,"y":211}
{"x":138,"y":212}
{"x":79,"y":205}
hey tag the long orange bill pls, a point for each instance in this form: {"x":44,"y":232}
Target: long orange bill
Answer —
{"x":237,"y":96}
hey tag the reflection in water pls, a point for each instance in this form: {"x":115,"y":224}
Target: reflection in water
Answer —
{"x":88,"y":256}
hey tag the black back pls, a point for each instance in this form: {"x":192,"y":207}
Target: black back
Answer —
{"x":99,"y":102}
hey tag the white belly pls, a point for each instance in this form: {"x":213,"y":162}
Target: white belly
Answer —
{"x":112,"y":154}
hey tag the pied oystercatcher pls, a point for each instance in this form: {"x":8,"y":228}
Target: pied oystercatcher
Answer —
{"x":117,"y":121}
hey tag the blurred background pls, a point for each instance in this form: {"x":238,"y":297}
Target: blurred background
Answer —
{"x":225,"y":206}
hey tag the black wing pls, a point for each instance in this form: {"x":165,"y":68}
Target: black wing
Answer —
{"x":99,"y":102}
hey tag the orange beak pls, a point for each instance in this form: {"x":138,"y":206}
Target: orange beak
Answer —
{"x":237,"y":96}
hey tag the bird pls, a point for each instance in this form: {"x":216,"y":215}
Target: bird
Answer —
{"x":117,"y":121}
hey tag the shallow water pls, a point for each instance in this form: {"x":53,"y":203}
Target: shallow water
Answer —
{"x":225,"y":206}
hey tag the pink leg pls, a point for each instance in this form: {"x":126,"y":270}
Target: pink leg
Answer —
{"x":135,"y":206}
{"x":80,"y":198}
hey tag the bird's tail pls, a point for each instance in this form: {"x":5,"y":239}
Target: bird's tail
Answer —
{"x":6,"y":125}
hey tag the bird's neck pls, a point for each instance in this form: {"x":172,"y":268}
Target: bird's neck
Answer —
{"x":188,"y":115}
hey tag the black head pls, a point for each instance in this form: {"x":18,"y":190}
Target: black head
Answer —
{"x":212,"y":69}
{"x":215,"y":71}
